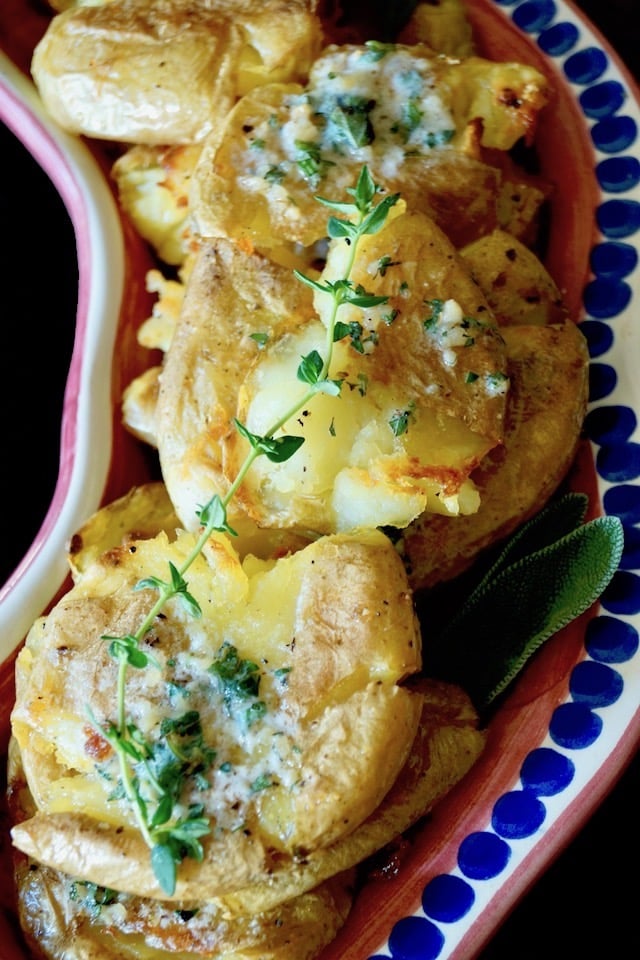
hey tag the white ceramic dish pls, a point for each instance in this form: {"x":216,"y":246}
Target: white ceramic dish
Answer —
{"x":87,"y":411}
{"x":572,"y":720}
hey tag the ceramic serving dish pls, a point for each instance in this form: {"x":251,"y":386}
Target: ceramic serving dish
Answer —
{"x":571,"y":721}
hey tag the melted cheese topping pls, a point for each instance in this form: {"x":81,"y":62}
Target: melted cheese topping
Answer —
{"x":375,"y":103}
{"x":308,"y":732}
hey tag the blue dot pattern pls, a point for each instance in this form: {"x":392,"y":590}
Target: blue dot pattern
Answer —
{"x":611,"y":640}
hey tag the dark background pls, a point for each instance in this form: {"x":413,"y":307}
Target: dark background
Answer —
{"x":584,"y":907}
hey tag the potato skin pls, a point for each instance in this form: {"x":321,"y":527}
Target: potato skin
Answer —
{"x":447,"y":744}
{"x":64,"y":918}
{"x":518,"y":287}
{"x":548,"y":367}
{"x":165,"y":71}
{"x":265,"y":196}
{"x":337,"y":617}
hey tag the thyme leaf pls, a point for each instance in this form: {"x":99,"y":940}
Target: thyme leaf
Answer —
{"x":153,"y":775}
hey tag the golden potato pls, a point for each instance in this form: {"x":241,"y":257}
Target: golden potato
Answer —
{"x":447,"y":744}
{"x":518,"y":287}
{"x":153,"y":190}
{"x":65,"y":4}
{"x":419,"y":120}
{"x":230,"y":297}
{"x":65,"y":918}
{"x":361,"y":464}
{"x":548,"y":370}
{"x":139,"y":403}
{"x":140,"y":396}
{"x":142,"y":513}
{"x":423,"y":400}
{"x":166,"y":71}
{"x":443,"y":26}
{"x":293,"y":763}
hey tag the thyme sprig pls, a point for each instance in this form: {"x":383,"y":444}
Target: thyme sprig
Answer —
{"x":152,"y":776}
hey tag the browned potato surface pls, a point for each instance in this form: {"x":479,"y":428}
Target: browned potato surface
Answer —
{"x":443,"y":26}
{"x":447,"y":744}
{"x":548,"y":369}
{"x":515,"y":282}
{"x":445,"y":372}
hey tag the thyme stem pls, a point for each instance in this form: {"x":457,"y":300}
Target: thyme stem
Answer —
{"x":164,"y":836}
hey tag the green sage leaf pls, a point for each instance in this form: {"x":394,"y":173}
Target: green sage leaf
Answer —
{"x":520,"y":605}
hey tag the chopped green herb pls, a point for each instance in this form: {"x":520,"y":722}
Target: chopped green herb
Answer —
{"x":399,"y":422}
{"x":349,"y":122}
{"x":263,"y":782}
{"x":237,"y":678}
{"x":91,"y":896}
{"x":384,"y":263}
{"x":275,"y":175}
{"x":376,"y":50}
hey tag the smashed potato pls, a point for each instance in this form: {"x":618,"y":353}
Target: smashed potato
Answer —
{"x":441,"y":367}
{"x":419,"y":121}
{"x":297,"y":767}
{"x":443,"y":26}
{"x":66,"y":918}
{"x":447,"y":744}
{"x":548,"y":370}
{"x":282,"y":678}
{"x":167,"y":71}
{"x":153,"y":189}
{"x":518,"y":288}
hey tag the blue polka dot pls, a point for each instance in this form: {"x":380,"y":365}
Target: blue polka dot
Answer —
{"x":618,"y":218}
{"x":546,"y":772}
{"x":599,"y":336}
{"x":619,"y":462}
{"x":558,"y":39}
{"x":534,"y":15}
{"x":586,"y":66}
{"x":623,"y":501}
{"x":602,"y":99}
{"x":605,"y":298}
{"x":613,"y":259}
{"x":517,"y":814}
{"x":574,"y":726}
{"x":610,"y":640}
{"x":483,"y":855}
{"x":415,"y":938}
{"x":622,"y":595}
{"x":595,"y":684}
{"x":610,"y":424}
{"x":602,"y":380}
{"x":614,"y":134}
{"x":630,"y":559}
{"x":617,"y":174}
{"x":447,"y":898}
